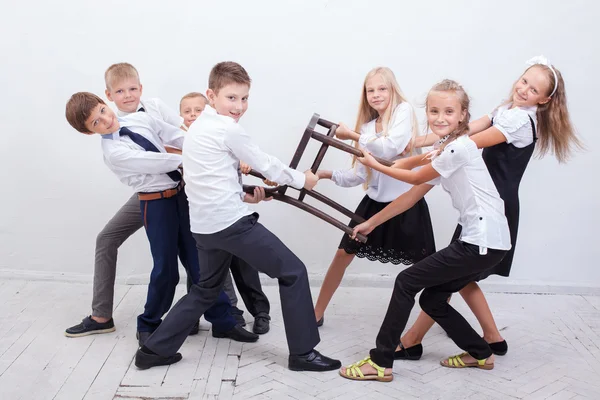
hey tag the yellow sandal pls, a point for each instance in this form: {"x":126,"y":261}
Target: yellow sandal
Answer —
{"x":353,"y":372}
{"x":457,"y":362}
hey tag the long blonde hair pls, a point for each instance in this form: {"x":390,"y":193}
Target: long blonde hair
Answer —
{"x":448,"y":85}
{"x":555,"y":130}
{"x":366,"y":113}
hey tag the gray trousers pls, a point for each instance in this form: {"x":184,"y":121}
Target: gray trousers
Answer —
{"x":253,"y":243}
{"x":126,"y":222}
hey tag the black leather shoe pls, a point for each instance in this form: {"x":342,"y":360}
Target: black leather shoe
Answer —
{"x":142,"y":337}
{"x":145,"y":360}
{"x":499,"y":348}
{"x":196,"y":329}
{"x":320,"y":322}
{"x":88,"y":326}
{"x":238,"y":334}
{"x":412,"y":353}
{"x":313,"y":361}
{"x":261,"y":324}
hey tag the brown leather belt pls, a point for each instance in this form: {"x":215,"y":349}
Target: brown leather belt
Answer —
{"x":165,"y":194}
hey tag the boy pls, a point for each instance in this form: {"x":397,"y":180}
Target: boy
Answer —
{"x":246,"y":277}
{"x":223,"y":226}
{"x":133,"y":149}
{"x":124,"y":88}
{"x":191,"y":106}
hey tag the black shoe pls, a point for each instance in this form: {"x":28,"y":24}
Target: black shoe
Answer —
{"x":90,"y":327}
{"x":238,"y":334}
{"x":320,"y":322}
{"x":145,"y":360}
{"x":313,"y":361}
{"x":499,"y":348}
{"x":261,"y":324}
{"x":238,"y":315}
{"x":412,"y":353}
{"x":142,"y":337}
{"x":196,"y":329}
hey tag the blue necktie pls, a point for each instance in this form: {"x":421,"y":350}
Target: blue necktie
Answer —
{"x":148,"y":146}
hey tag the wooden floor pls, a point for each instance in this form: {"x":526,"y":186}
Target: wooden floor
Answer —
{"x":554,"y":352}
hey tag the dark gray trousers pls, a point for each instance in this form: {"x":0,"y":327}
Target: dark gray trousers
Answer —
{"x":253,"y":243}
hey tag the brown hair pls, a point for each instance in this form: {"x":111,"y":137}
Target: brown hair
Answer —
{"x":448,"y":85}
{"x":79,"y":108}
{"x":225,"y":73}
{"x":118,"y":72}
{"x":193,"y":95}
{"x":554,"y":127}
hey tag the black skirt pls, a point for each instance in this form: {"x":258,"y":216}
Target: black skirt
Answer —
{"x":404,"y":239}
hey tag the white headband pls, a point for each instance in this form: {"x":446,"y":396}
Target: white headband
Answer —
{"x":544,"y":61}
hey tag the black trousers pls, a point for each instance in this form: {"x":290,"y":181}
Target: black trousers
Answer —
{"x":248,"y":284}
{"x":441,"y":274}
{"x":257,"y":246}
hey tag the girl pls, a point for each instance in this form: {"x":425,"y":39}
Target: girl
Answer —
{"x":459,"y":167}
{"x":387,"y":124}
{"x":536,"y":112}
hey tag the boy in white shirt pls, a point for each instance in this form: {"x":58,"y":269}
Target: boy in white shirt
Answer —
{"x":224,"y":227}
{"x":246,"y":278}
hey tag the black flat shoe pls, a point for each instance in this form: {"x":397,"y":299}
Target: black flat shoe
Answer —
{"x":144,"y":360}
{"x":320,"y":322}
{"x":313,"y":361}
{"x":499,"y":348}
{"x":238,"y":334}
{"x":412,"y":353}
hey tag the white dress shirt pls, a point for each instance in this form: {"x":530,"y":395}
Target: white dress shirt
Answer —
{"x":514,"y":123}
{"x":213,"y":148}
{"x":144,"y":171}
{"x":464,"y":175}
{"x":158,"y":109}
{"x":381,"y":188}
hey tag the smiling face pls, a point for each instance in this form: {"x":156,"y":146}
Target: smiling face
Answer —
{"x":378,"y":93}
{"x":125,"y":93}
{"x":102,"y":120}
{"x":231,"y":100}
{"x":532,"y":88}
{"x":444,"y":112}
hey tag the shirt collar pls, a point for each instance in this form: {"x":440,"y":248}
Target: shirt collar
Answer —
{"x":123,"y":113}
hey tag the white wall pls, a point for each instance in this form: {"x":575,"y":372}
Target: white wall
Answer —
{"x":303,"y":57}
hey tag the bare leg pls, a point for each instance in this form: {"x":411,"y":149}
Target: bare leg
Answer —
{"x":417,"y":332}
{"x":473,"y":296}
{"x":332,"y":280}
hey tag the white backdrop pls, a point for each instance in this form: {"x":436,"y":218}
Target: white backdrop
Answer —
{"x":303,"y":57}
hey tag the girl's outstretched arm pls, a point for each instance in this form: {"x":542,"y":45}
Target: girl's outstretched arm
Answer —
{"x":398,"y":206}
{"x":423,"y":175}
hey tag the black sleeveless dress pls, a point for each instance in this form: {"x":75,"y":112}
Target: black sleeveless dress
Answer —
{"x":506,"y":164}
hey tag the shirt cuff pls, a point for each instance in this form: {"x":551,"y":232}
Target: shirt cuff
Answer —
{"x":298,"y":179}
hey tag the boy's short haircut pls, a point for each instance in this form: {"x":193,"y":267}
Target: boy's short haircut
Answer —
{"x":192,"y":95}
{"x":79,"y":108}
{"x":118,"y":72}
{"x":225,"y":73}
